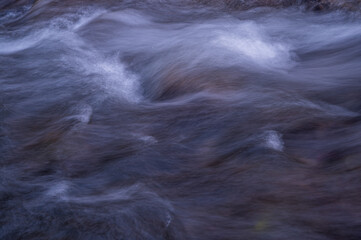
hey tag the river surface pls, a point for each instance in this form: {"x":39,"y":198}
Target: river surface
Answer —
{"x":179,"y":120}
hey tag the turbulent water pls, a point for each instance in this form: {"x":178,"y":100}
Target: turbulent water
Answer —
{"x":188,"y":120}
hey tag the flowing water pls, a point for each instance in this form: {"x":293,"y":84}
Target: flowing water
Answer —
{"x":179,"y":120}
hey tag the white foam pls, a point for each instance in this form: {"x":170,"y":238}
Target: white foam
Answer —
{"x":253,"y":48}
{"x":84,"y":20}
{"x":148,"y":139}
{"x":122,"y":194}
{"x":169,"y":220}
{"x":58,"y":28}
{"x":248,"y":41}
{"x":110,"y":73}
{"x":60,"y":189}
{"x":273,"y":140}
{"x":129,"y":17}
{"x":8,"y":46}
{"x":145,"y":138}
{"x":83,"y":113}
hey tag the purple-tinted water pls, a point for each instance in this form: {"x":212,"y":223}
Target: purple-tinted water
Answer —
{"x":179,"y":120}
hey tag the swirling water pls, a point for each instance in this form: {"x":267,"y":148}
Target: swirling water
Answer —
{"x":179,"y":120}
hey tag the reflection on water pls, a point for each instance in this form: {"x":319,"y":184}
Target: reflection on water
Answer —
{"x":162,"y":120}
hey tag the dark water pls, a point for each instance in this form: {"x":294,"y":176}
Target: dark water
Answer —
{"x":179,"y":120}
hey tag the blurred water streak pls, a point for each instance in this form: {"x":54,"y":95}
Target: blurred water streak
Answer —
{"x":179,"y":120}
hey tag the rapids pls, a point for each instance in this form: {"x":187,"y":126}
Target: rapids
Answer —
{"x":194,"y":120}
